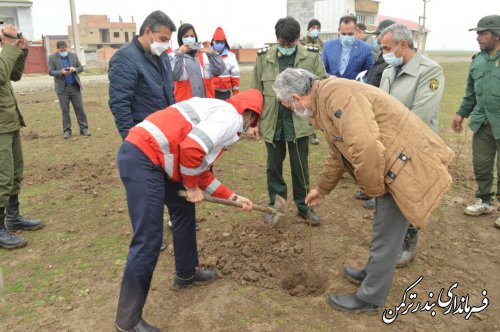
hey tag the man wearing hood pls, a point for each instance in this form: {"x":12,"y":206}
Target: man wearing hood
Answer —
{"x":194,"y":66}
{"x":172,"y":150}
{"x":230,"y":78}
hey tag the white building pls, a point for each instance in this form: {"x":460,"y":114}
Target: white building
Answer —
{"x":18,"y":13}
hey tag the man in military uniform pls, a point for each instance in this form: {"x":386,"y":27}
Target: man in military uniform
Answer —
{"x":482,"y":103}
{"x":12,"y":59}
{"x":418,"y":83}
{"x":312,"y":39}
{"x":278,"y":126}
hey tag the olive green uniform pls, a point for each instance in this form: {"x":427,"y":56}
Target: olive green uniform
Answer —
{"x":482,"y":104}
{"x":12,"y":62}
{"x":279,"y":127}
{"x":315,"y":42}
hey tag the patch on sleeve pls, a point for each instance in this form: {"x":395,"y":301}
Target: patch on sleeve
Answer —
{"x":434,"y":85}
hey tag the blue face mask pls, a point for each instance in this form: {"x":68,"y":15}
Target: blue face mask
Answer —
{"x":286,"y":51}
{"x":347,"y":41}
{"x":219,"y":47}
{"x":314,"y":34}
{"x":188,"y":40}
{"x":376,"y":45}
{"x":63,"y":54}
{"x":392,"y":60}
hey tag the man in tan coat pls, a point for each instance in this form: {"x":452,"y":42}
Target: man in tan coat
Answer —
{"x":391,"y":153}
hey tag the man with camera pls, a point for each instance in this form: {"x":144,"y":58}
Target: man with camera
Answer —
{"x":65,"y":66}
{"x":12,"y":59}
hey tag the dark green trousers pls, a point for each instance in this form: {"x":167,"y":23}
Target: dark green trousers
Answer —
{"x":276,"y":185}
{"x":484,"y":149}
{"x":11,"y":166}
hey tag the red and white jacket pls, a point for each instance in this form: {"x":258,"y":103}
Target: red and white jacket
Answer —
{"x":230,"y":79}
{"x":187,"y":137}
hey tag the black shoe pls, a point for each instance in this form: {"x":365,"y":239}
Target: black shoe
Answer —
{"x":67,"y":134}
{"x":315,"y":219}
{"x":15,"y":222}
{"x":142,"y":326}
{"x":361,"y":195}
{"x":353,"y":275}
{"x":200,"y":277}
{"x":313,"y":139}
{"x":409,"y":248}
{"x":350,"y":303}
{"x":84,"y":132}
{"x":10,"y":241}
{"x":268,"y":218}
{"x":369,"y":203}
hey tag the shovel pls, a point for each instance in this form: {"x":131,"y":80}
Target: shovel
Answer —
{"x":278,"y":211}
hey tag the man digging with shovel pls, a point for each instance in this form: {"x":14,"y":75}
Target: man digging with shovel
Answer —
{"x":171,"y":150}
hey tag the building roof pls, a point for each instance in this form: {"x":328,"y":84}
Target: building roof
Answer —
{"x":16,"y":3}
{"x":412,"y":26}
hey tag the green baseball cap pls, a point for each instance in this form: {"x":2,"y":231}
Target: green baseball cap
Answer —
{"x":491,"y":22}
{"x":382,"y":25}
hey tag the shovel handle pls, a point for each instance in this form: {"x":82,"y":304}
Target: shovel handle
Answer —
{"x":212,"y":199}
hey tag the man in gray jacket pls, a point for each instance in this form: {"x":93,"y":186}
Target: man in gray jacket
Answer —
{"x":65,"y":66}
{"x":418,"y":83}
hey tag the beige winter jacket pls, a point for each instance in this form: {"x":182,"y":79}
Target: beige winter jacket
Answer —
{"x":383,"y":145}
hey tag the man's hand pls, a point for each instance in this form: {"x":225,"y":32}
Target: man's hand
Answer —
{"x":64,"y":72}
{"x":9,"y":35}
{"x":313,"y":197}
{"x":72,"y":69}
{"x":457,"y":124}
{"x":22,"y":43}
{"x":253,"y":132}
{"x":247,"y":204}
{"x":194,"y":195}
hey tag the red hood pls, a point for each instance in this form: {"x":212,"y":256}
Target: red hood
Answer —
{"x":249,"y":99}
{"x":220,"y":35}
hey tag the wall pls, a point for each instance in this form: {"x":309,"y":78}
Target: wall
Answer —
{"x":302,"y":11}
{"x":246,"y":54}
{"x":21,"y":18}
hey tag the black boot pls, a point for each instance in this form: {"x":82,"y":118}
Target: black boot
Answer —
{"x":15,"y":222}
{"x":409,"y":247}
{"x":8,"y":240}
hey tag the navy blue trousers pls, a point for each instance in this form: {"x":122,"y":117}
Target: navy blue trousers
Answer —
{"x":148,"y":190}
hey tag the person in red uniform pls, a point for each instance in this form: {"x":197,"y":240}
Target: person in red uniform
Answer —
{"x":229,"y":80}
{"x":172,"y":150}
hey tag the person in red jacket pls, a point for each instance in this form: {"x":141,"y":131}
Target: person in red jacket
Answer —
{"x":230,"y":78}
{"x":172,"y":150}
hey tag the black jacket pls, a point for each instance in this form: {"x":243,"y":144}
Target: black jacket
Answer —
{"x":374,"y":75}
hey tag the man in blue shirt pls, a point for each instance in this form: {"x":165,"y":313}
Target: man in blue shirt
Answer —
{"x":347,"y":56}
{"x":65,"y":66}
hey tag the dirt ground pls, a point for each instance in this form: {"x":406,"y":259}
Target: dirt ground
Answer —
{"x":270,"y":279}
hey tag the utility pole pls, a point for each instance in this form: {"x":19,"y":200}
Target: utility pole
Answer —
{"x":76,"y":37}
{"x":421,"y":30}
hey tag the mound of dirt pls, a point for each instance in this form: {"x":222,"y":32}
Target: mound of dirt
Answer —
{"x":260,"y":255}
{"x":302,"y":282}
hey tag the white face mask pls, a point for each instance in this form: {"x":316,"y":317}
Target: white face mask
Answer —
{"x":302,"y":115}
{"x":158,"y":48}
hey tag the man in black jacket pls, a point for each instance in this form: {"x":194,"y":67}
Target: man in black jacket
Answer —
{"x":65,"y":67}
{"x":140,"y":75}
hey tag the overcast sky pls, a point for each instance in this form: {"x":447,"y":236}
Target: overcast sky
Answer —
{"x":252,"y":21}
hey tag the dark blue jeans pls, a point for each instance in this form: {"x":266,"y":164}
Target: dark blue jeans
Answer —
{"x":148,"y":189}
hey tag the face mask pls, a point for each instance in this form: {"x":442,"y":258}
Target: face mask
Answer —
{"x":63,"y":54}
{"x":314,"y":34}
{"x":392,"y":60}
{"x":158,"y":48}
{"x":304,"y":115}
{"x":286,"y":51}
{"x":219,"y":46}
{"x":347,"y":40}
{"x":188,"y":40}
{"x":376,"y":45}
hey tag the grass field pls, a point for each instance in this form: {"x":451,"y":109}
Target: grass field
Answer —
{"x":67,"y":278}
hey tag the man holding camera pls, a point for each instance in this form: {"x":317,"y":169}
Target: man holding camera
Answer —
{"x":65,"y":66}
{"x":12,"y":59}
